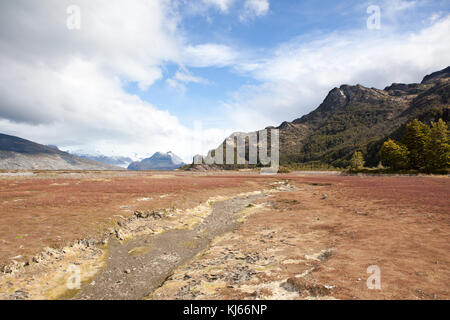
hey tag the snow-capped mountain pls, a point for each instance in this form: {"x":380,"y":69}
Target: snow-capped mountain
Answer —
{"x":159,"y":161}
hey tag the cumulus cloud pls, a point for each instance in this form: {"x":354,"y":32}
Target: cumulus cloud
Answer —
{"x":90,"y":108}
{"x":245,"y":9}
{"x":187,"y":77}
{"x":210,"y":55}
{"x":66,"y":87}
{"x":297,"y":75}
{"x":254,"y":8}
{"x":180,"y":78}
{"x":222,"y":5}
{"x":399,"y":5}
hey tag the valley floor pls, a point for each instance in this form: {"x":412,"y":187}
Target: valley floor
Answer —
{"x":223,"y":235}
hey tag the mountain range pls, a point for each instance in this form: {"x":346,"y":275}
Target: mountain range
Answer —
{"x":20,"y":154}
{"x":159,"y":161}
{"x":118,"y":161}
{"x":350,"y":118}
{"x":356,"y":118}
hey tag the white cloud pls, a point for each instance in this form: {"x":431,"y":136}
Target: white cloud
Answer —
{"x":433,"y":18}
{"x":222,"y":5}
{"x":298,"y":75}
{"x":187,"y":77}
{"x":399,"y":5}
{"x":128,"y":40}
{"x":394,"y":12}
{"x":246,"y":9}
{"x":79,"y":105}
{"x":66,"y":87}
{"x":209,"y":55}
{"x":254,"y":8}
{"x":179,"y":80}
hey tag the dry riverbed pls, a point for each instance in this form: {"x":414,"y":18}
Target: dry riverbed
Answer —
{"x":133,"y":256}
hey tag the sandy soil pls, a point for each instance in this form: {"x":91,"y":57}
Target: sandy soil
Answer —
{"x":312,"y":241}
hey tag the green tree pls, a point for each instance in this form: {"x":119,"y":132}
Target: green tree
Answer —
{"x":394,"y":155}
{"x":357,"y":161}
{"x":416,"y":139}
{"x":438,"y":148}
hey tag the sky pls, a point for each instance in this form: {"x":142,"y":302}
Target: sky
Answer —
{"x":130,"y":78}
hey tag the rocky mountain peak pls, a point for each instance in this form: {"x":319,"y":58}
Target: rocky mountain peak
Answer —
{"x":340,"y":97}
{"x":442,"y":74}
{"x":336,"y":98}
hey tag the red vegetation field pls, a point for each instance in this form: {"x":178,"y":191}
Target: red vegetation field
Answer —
{"x":53,"y":209}
{"x":399,"y":223}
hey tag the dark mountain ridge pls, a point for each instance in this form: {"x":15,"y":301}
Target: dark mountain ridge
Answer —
{"x":20,"y":154}
{"x":357,"y":118}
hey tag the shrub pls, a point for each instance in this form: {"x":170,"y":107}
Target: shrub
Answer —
{"x":357,"y":161}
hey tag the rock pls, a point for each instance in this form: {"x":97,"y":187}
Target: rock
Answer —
{"x":147,"y":214}
{"x":127,"y":271}
{"x":140,"y":215}
{"x":302,"y":285}
{"x":20,"y":295}
{"x":324,"y":196}
{"x":119,"y":234}
{"x":156,"y":215}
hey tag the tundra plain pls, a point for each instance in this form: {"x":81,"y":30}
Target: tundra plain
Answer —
{"x":223,"y":235}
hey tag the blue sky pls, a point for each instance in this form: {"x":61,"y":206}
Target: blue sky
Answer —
{"x":141,"y":76}
{"x":258,"y":36}
{"x":195,"y":100}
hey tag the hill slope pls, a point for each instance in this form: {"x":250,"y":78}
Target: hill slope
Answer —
{"x":356,"y":117}
{"x":359,"y":118}
{"x":20,"y":154}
